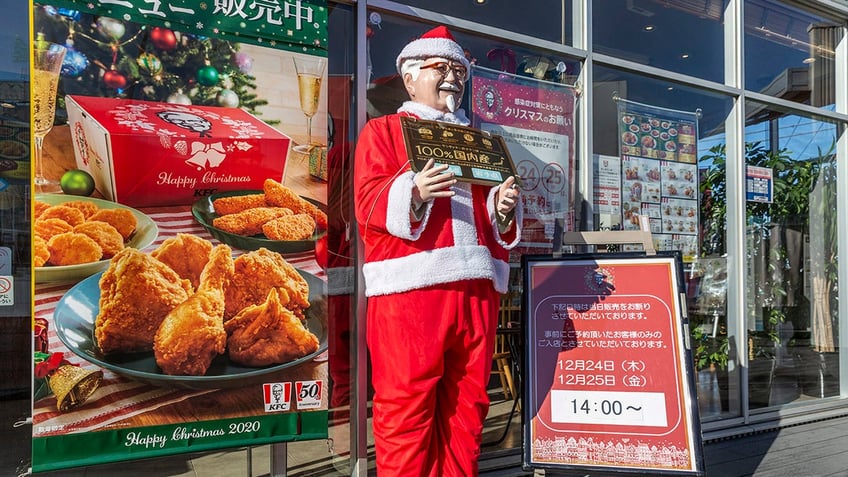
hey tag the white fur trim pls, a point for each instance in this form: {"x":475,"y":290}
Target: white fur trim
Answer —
{"x":432,"y":267}
{"x":493,"y":211}
{"x":397,"y":213}
{"x":432,"y":48}
{"x":423,"y":111}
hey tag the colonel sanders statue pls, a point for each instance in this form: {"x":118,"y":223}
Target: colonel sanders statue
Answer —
{"x":436,"y":261}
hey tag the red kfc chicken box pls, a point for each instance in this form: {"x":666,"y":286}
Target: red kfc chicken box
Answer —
{"x":146,"y":153}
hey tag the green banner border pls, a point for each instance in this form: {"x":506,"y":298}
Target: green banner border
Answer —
{"x":198,"y":17}
{"x":103,"y":447}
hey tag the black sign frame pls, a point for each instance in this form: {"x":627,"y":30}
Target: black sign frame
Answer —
{"x":473,"y":155}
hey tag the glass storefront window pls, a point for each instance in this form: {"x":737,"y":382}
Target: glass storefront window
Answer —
{"x":549,"y":20}
{"x":681,"y":36}
{"x":790,"y":53}
{"x":386,"y":92}
{"x":791,"y":256}
{"x":669,"y":175}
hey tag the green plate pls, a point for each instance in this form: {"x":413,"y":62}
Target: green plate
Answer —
{"x":145,"y":233}
{"x":77,"y":310}
{"x":204,"y":213}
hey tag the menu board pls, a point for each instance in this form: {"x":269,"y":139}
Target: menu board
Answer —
{"x":659,"y":175}
{"x":610,"y":382}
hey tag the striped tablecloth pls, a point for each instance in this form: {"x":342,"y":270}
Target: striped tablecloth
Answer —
{"x":119,"y":398}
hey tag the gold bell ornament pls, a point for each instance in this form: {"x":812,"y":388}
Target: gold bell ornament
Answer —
{"x":71,"y":384}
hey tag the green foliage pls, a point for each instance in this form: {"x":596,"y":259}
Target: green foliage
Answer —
{"x":710,"y":350}
{"x":794,"y":181}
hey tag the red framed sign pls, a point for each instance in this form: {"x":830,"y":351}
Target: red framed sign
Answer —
{"x":610,"y":381}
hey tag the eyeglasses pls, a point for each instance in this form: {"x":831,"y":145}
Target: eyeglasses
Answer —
{"x":443,"y":68}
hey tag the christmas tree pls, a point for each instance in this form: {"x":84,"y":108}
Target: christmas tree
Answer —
{"x":108,"y":57}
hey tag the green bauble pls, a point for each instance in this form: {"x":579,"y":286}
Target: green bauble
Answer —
{"x":149,"y":63}
{"x":207,"y":76}
{"x":77,"y":182}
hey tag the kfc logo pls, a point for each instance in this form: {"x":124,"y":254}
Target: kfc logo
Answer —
{"x":277,"y":396}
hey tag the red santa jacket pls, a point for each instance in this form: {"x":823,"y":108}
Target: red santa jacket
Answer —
{"x":457,"y":238}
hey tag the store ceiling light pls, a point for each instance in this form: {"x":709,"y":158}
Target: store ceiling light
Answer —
{"x":480,"y":2}
{"x":649,"y":28}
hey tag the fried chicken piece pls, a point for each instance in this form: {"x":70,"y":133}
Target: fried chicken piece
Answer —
{"x":87,"y":208}
{"x":249,"y":222}
{"x":192,"y":334}
{"x":136,"y":293}
{"x":279,"y":195}
{"x":122,"y":219}
{"x":70,"y":215}
{"x":256,"y":273}
{"x":47,"y":228}
{"x":290,"y":227}
{"x":186,"y":254}
{"x":71,"y":248}
{"x":104,"y":234}
{"x":39,"y":207}
{"x":40,"y":252}
{"x":266,"y":334}
{"x":238,"y":203}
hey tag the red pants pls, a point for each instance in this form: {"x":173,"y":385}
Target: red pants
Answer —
{"x":431,"y":353}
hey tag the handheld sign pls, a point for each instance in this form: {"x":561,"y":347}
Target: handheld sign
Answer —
{"x":471,"y":154}
{"x":610,"y":381}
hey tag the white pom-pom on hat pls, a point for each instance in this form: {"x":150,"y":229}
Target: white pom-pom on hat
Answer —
{"x":436,"y":43}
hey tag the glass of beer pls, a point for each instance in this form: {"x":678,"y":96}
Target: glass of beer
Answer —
{"x":46,"y":63}
{"x":310,"y":72}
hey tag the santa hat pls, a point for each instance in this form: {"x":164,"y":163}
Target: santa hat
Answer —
{"x":436,"y":43}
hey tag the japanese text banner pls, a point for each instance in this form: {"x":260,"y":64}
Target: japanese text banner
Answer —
{"x":295,"y":25}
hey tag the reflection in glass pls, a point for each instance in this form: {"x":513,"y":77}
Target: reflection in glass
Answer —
{"x":791,"y":258}
{"x":680,"y":36}
{"x":790,"y":53}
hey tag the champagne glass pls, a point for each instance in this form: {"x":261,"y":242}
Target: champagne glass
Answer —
{"x":310,"y":72}
{"x":46,"y":61}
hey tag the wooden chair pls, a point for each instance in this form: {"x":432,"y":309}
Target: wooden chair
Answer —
{"x":502,"y":357}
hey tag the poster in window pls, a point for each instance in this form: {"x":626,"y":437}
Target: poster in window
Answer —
{"x":659,"y":174}
{"x":152,"y":336}
{"x":536,"y":120}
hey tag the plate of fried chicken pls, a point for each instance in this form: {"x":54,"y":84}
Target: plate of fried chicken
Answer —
{"x":275,"y":218}
{"x":76,"y":236}
{"x":169,"y":318}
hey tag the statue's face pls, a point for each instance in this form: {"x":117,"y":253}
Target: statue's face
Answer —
{"x":439,"y":78}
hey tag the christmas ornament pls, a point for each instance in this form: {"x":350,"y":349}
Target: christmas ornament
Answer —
{"x":74,"y":63}
{"x":207,"y":75}
{"x":114,"y":79}
{"x":72,"y":385}
{"x":111,"y":28}
{"x":243,"y":62}
{"x":178,"y":98}
{"x":163,"y":38}
{"x":227,"y":98}
{"x":149,"y":64}
{"x":77,"y":182}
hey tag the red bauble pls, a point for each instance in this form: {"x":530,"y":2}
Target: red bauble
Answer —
{"x":163,"y":38}
{"x":114,"y":79}
{"x":321,"y":252}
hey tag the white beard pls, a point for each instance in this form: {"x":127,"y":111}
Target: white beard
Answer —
{"x":450,"y":101}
